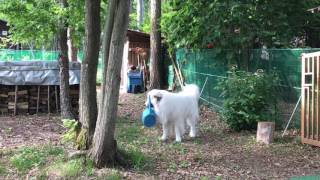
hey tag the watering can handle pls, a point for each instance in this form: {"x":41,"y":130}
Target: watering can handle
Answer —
{"x":149,"y":104}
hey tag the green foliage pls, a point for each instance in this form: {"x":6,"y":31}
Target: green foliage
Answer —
{"x":247,"y":98}
{"x":36,"y":22}
{"x":71,"y":134}
{"x":235,"y":24}
{"x":29,"y":157}
{"x":68,"y":169}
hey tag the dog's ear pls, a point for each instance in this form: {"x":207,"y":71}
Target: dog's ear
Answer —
{"x":158,"y":96}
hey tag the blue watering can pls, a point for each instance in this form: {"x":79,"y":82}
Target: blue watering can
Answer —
{"x":148,"y":115}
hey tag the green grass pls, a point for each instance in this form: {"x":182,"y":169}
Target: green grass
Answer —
{"x":68,"y":169}
{"x":130,"y":139}
{"x":3,"y":169}
{"x":27,"y":158}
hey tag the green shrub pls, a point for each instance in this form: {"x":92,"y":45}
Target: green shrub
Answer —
{"x":71,"y":134}
{"x":248,"y":98}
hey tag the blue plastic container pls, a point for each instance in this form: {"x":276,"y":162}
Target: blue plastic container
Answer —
{"x":149,"y":116}
{"x":135,"y":82}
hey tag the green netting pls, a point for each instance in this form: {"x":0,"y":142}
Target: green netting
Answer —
{"x":212,"y":65}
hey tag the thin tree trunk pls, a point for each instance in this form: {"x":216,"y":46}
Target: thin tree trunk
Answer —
{"x":73,"y":50}
{"x":140,"y":13}
{"x":155,"y":44}
{"x":104,"y":147}
{"x":88,"y":96}
{"x":66,"y":110}
{"x":107,"y":32}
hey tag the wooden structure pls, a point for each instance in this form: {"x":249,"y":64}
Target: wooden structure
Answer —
{"x":33,"y":86}
{"x":310,"y":97}
{"x":136,"y":53}
{"x":34,"y":99}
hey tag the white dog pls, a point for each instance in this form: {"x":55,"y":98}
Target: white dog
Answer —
{"x":174,"y":110}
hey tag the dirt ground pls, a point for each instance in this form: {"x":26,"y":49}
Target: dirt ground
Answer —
{"x":216,"y":153}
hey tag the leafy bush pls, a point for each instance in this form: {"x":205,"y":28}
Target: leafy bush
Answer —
{"x":248,"y":98}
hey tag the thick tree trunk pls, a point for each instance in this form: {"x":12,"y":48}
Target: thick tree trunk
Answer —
{"x":140,"y":13}
{"x":104,"y":150}
{"x":88,"y":96}
{"x":265,"y":132}
{"x":155,"y":44}
{"x":107,"y":32}
{"x":66,"y":110}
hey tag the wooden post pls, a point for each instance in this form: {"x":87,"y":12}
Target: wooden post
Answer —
{"x":265,"y":132}
{"x":56,"y":95}
{"x":49,"y":100}
{"x":15,"y":100}
{"x":38,"y":99}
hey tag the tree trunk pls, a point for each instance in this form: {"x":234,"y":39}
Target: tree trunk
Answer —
{"x":155,"y":44}
{"x":66,"y":111}
{"x":73,"y":50}
{"x":140,"y":13}
{"x":265,"y":132}
{"x":104,"y":150}
{"x":88,"y":96}
{"x":107,"y":32}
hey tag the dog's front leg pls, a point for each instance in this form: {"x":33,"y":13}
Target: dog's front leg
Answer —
{"x":165,"y":131}
{"x":178,"y":133}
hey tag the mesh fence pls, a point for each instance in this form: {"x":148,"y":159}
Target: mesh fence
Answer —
{"x":207,"y":67}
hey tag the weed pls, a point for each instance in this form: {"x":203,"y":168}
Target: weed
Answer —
{"x":27,"y":158}
{"x":184,"y":164}
{"x":172,"y":167}
{"x":3,"y":170}
{"x":67,"y":169}
{"x":115,"y":175}
{"x":204,"y":178}
{"x":136,"y":158}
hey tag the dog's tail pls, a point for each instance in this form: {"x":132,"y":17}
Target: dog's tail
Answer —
{"x":192,"y":90}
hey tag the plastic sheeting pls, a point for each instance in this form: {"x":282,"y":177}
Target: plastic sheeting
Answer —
{"x":36,"y":73}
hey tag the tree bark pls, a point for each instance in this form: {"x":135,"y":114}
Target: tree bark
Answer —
{"x":107,"y":32}
{"x":140,"y":13}
{"x":88,"y":96}
{"x":155,"y":44}
{"x":73,"y":50}
{"x":104,"y":148}
{"x":65,"y":103}
{"x":265,"y":132}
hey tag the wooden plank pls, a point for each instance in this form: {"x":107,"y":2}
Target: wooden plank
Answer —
{"x":312,"y":96}
{"x":49,"y":99}
{"x":308,"y":112}
{"x":38,"y":100}
{"x":22,"y":92}
{"x":317,"y":105}
{"x":310,"y":141}
{"x":15,"y":100}
{"x":303,"y":61}
{"x":56,"y":96}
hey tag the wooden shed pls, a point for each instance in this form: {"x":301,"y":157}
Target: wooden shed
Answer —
{"x":136,"y":53}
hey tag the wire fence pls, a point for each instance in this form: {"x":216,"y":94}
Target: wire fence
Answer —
{"x":209,"y":66}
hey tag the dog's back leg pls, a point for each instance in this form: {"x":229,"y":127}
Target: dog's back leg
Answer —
{"x":178,"y":129}
{"x":192,"y":123}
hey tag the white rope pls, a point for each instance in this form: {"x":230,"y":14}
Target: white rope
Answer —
{"x":294,"y":110}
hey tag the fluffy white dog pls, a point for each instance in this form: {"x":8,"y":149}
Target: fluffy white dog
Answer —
{"x":174,"y":110}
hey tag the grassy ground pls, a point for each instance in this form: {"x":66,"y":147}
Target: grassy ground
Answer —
{"x":216,"y":153}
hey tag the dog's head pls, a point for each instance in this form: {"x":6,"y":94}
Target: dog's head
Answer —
{"x":154,"y":97}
